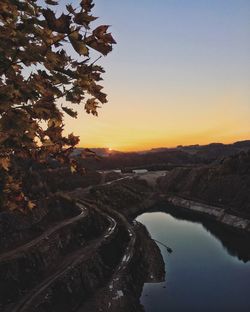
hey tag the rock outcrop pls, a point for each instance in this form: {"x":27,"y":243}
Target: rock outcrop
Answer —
{"x":220,"y":192}
{"x":214,"y":213}
{"x":226,"y":185}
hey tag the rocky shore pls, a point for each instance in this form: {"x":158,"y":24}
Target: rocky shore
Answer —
{"x":217,"y":214}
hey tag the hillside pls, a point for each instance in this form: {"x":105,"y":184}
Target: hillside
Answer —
{"x":163,"y":158}
{"x":226,"y":184}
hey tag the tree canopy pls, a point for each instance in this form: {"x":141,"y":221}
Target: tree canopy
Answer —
{"x":44,"y":57}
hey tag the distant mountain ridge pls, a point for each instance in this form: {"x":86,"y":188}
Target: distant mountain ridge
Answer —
{"x":236,"y":146}
{"x":208,"y":152}
{"x":163,"y":158}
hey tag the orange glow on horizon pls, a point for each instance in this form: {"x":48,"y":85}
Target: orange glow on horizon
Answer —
{"x":178,"y":119}
{"x":149,"y":146}
{"x":190,"y":85}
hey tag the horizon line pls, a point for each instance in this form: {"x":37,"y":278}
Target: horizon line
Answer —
{"x":161,"y":147}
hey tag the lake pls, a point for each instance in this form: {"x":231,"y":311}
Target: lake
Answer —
{"x":208,"y":270}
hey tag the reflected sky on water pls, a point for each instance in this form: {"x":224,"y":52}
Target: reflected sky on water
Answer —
{"x":205,"y":272}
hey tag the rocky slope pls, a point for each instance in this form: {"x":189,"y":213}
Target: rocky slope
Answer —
{"x":226,"y":185}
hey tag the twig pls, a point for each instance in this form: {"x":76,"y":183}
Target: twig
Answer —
{"x":96,"y":60}
{"x":169,"y":250}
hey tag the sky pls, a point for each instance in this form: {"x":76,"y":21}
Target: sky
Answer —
{"x":179,"y":74}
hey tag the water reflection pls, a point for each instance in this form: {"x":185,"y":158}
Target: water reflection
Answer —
{"x":235,"y":243}
{"x":209,"y":269}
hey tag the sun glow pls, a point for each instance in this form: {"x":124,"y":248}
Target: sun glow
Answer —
{"x":194,"y":91}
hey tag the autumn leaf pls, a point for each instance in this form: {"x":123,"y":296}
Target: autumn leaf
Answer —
{"x":73,"y":166}
{"x":84,"y":19}
{"x":87,"y":5}
{"x":72,"y":139}
{"x":61,"y":24}
{"x":69,"y":111}
{"x":31,"y":205}
{"x":98,"y":45}
{"x":78,"y":44}
{"x":100,"y":31}
{"x":5,"y":163}
{"x":108,"y":38}
{"x":54,"y":122}
{"x":73,"y":169}
{"x":51,"y":2}
{"x":70,"y":9}
{"x":91,"y":106}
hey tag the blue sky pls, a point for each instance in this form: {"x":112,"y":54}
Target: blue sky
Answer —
{"x":179,"y":74}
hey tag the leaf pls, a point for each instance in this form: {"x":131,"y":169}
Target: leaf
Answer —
{"x":5,"y":163}
{"x":73,"y":169}
{"x":91,"y":106}
{"x":31,"y":205}
{"x":98,"y":45}
{"x":70,"y":9}
{"x":54,"y":122}
{"x":47,"y":142}
{"x":100,"y":30}
{"x":73,"y":166}
{"x":69,"y":111}
{"x":61,"y":24}
{"x":78,"y":44}
{"x":84,"y":19}
{"x":72,"y":139}
{"x":95,"y":90}
{"x":109,"y":39}
{"x":87,"y":5}
{"x":51,"y":2}
{"x":101,"y":33}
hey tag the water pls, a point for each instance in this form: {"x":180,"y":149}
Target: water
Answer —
{"x":206,"y":272}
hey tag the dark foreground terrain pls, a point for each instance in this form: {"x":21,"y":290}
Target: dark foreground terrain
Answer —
{"x":77,"y":253}
{"x":80,"y":250}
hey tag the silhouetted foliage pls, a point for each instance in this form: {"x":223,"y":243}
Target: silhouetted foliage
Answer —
{"x":37,"y":69}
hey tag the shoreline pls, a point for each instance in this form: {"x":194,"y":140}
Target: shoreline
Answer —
{"x":217,"y":214}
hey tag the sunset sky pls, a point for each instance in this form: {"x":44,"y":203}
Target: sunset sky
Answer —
{"x":179,"y":74}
